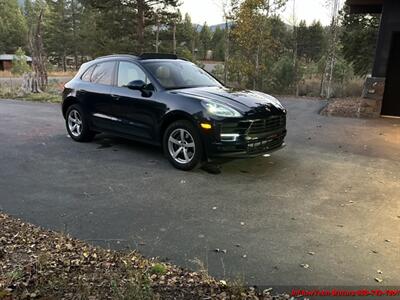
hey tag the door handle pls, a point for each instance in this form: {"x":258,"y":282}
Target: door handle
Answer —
{"x":115,"y":97}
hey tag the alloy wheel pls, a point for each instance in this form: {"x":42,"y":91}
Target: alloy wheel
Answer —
{"x":75,"y":123}
{"x":181,"y":146}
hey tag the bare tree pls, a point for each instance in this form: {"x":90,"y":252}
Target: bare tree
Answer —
{"x":36,"y":82}
{"x":225,"y":8}
{"x":157,"y":21}
{"x":326,"y":83}
{"x":174,"y":37}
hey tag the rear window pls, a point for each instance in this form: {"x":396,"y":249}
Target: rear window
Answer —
{"x":86,"y":76}
{"x":103,"y":73}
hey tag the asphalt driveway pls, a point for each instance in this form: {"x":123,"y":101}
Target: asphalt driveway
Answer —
{"x":330,"y":200}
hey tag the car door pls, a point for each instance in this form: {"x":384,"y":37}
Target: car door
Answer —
{"x":98,"y":95}
{"x":137,"y":111}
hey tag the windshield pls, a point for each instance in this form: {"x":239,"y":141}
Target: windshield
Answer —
{"x":179,"y":74}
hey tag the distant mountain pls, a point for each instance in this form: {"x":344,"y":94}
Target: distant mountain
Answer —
{"x":213,"y":27}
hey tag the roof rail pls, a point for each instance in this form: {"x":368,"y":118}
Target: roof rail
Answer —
{"x":157,"y":56}
{"x":118,"y":55}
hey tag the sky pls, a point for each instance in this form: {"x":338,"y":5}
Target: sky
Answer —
{"x":210,"y":11}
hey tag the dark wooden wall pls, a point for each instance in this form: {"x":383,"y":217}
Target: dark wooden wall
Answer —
{"x":390,"y":24}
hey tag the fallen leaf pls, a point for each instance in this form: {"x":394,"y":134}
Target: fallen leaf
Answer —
{"x":305,"y":266}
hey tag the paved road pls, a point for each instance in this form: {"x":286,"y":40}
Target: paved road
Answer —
{"x":333,"y":191}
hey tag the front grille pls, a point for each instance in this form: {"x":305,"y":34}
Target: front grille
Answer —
{"x":266,"y":144}
{"x":270,"y":124}
{"x":235,"y":127}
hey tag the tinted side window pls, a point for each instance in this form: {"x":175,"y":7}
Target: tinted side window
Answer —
{"x":103,"y":73}
{"x":86,"y":76}
{"x":128,"y":72}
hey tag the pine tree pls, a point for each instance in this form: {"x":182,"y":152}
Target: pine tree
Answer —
{"x":20,"y":65}
{"x":359,"y":37}
{"x":13,"y":28}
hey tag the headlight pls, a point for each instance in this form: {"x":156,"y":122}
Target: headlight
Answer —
{"x":220,"y":110}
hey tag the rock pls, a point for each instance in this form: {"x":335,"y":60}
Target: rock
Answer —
{"x":378,"y":279}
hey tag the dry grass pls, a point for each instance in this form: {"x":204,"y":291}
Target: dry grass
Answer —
{"x":8,"y":74}
{"x":62,"y":74}
{"x":351,"y":88}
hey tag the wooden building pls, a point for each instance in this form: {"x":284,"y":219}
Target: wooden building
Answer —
{"x":6,"y":61}
{"x":384,"y":86}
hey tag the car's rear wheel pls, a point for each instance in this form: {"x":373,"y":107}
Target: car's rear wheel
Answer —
{"x":77,"y":124}
{"x":182,"y":145}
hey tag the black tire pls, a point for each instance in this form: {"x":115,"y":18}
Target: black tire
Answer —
{"x":191,"y":136}
{"x":84,"y":134}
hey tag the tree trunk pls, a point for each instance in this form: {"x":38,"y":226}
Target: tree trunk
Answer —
{"x":255,"y":79}
{"x":141,"y":5}
{"x":39,"y":81}
{"x":174,"y":38}
{"x":74,"y":29}
{"x":226,"y":50}
{"x":157,"y":32}
{"x":326,"y":86}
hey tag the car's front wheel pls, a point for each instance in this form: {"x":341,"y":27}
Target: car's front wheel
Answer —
{"x":182,"y":145}
{"x":77,"y":124}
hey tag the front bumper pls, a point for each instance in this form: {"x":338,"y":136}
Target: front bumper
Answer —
{"x":246,"y":138}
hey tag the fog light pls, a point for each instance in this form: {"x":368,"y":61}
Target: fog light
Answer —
{"x":229,"y":137}
{"x":267,"y":155}
{"x":205,"y":125}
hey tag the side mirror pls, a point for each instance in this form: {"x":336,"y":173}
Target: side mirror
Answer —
{"x":138,"y":85}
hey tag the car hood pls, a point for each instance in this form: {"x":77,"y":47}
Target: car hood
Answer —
{"x":245,"y":101}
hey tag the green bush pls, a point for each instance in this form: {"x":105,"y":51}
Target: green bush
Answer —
{"x":20,"y":66}
{"x":282,"y":76}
